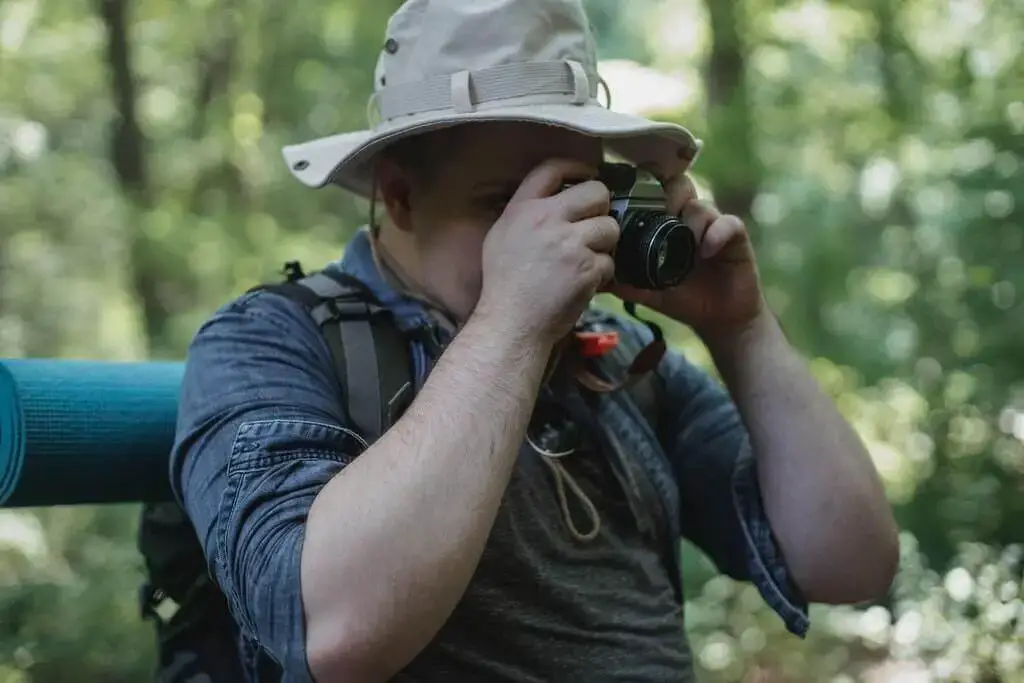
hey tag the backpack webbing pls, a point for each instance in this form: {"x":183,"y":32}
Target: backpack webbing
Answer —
{"x":371,"y":354}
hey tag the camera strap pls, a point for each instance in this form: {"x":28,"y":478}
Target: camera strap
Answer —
{"x":627,"y":408}
{"x":643,"y":364}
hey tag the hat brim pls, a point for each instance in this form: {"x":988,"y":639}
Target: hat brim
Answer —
{"x":345,"y":159}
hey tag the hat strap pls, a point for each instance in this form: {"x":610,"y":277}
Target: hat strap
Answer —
{"x":464,"y":91}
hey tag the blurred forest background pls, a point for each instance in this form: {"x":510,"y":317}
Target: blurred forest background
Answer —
{"x":875,"y":145}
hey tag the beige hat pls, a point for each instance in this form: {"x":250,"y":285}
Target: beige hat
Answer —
{"x":449,"y":62}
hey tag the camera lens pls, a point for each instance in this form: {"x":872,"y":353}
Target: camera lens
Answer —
{"x":655,"y":250}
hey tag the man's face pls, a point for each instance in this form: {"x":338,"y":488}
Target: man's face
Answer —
{"x":448,"y":210}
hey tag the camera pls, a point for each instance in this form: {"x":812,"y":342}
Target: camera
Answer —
{"x":656,"y":250}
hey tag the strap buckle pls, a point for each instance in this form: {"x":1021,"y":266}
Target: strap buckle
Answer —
{"x":597,"y":344}
{"x":347,"y":309}
{"x":338,"y":309}
{"x":155,"y":604}
{"x":293,"y":271}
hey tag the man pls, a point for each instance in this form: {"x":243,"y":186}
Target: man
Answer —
{"x":455,"y":547}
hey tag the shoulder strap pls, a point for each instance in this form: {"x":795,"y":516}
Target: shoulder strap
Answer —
{"x":196,"y":638}
{"x":371,"y":354}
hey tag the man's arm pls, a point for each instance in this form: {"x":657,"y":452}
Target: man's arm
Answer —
{"x":416,"y":509}
{"x":721,"y":509}
{"x":777,"y":491}
{"x":821,"y":491}
{"x":384,"y":543}
{"x":775,"y":486}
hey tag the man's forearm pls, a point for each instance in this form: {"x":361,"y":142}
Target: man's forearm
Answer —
{"x":392,"y":541}
{"x":821,"y":490}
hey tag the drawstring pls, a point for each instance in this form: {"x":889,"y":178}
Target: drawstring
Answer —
{"x":563,"y":479}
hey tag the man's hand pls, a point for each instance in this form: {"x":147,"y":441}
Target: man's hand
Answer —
{"x":722,"y":297}
{"x":549,"y":251}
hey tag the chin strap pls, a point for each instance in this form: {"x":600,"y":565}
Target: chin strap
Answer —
{"x":392,"y":272}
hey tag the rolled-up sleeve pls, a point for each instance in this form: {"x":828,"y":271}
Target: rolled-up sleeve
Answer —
{"x":260,"y":431}
{"x":720,"y":495}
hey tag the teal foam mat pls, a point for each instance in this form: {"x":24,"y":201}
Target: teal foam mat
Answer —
{"x":74,"y":432}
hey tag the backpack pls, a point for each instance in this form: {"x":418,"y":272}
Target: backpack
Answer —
{"x":198,"y":640}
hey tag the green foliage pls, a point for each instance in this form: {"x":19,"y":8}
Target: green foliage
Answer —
{"x":961,"y":625}
{"x":875,"y":146}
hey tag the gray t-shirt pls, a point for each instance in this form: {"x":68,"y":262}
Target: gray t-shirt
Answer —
{"x":544,"y":606}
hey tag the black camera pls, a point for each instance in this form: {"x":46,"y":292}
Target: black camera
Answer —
{"x":656,"y":250}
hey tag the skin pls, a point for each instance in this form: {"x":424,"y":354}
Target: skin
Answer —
{"x":487,"y":234}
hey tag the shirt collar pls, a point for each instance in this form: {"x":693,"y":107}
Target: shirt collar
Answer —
{"x":358,"y":262}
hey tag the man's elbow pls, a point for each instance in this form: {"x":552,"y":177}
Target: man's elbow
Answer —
{"x":328,"y":657}
{"x":331,"y":658}
{"x":866,"y":578}
{"x":336,"y":652}
{"x":881,"y":563}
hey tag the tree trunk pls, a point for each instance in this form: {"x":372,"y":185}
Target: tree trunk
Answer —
{"x":731,"y":162}
{"x":128,"y":156}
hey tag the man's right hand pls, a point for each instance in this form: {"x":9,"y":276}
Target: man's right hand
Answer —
{"x":550,"y":251}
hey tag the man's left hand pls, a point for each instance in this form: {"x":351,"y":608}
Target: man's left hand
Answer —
{"x":722,"y":296}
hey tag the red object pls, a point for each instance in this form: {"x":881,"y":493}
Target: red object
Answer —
{"x":597,"y":344}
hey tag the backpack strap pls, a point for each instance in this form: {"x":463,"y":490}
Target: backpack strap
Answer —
{"x":370,"y":352}
{"x":196,"y":637}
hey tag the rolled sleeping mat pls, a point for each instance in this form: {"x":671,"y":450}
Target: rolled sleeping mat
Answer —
{"x":75,"y":432}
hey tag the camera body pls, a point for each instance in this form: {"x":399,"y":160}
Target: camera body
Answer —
{"x":656,"y":250}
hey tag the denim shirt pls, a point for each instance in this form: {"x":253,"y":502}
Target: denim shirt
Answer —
{"x":261,"y":429}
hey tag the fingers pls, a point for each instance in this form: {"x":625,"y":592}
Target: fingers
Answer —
{"x":712,"y":230}
{"x":721,"y":232}
{"x":679,"y":191}
{"x":604,"y":269}
{"x":681,"y":200}
{"x":600,"y":234}
{"x":549,"y":177}
{"x":698,"y":217}
{"x":584,"y":200}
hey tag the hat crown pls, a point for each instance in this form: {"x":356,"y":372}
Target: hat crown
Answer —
{"x":451,"y":62}
{"x":429,"y":38}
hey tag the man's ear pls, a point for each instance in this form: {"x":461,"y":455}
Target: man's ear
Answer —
{"x":394,"y":188}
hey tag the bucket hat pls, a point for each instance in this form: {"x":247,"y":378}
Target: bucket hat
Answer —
{"x":445,"y":63}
